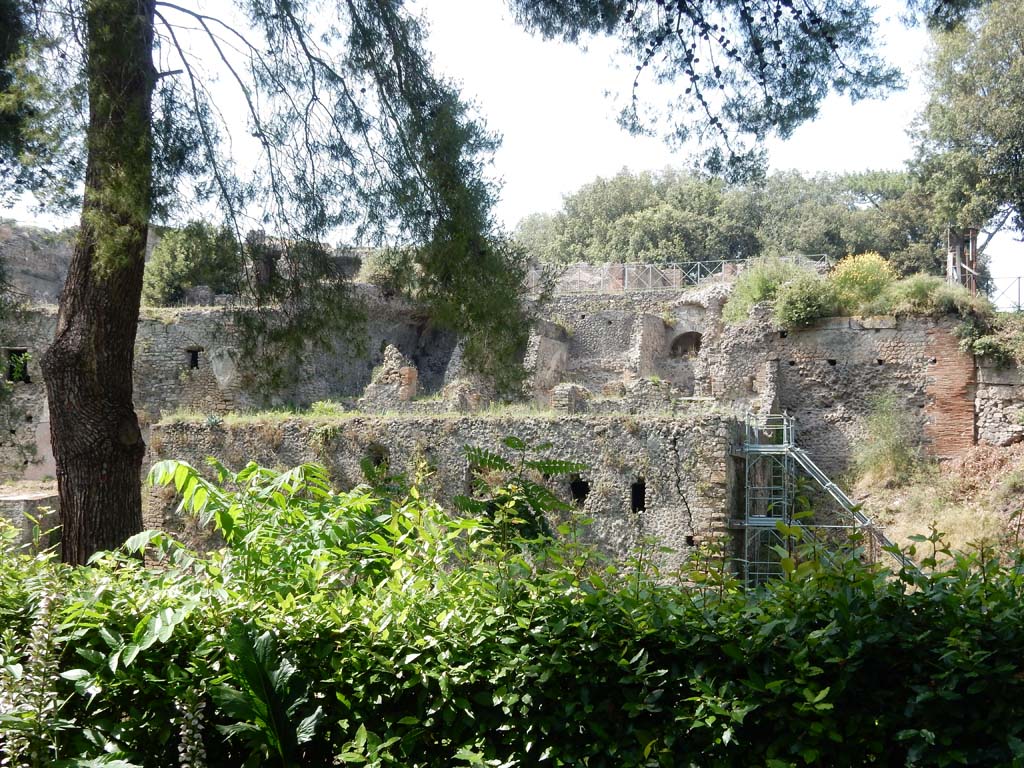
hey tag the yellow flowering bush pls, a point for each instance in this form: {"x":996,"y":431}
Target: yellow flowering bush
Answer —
{"x":861,"y":278}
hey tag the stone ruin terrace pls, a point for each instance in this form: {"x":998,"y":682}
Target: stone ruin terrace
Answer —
{"x":649,"y":389}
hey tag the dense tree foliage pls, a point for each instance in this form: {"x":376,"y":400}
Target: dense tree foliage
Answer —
{"x":371,"y":628}
{"x":348,"y":127}
{"x":12,"y":33}
{"x":675,"y":216}
{"x":971,"y":137}
{"x":197,"y":254}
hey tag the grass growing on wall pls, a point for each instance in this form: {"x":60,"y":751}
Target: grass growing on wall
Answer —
{"x":372,"y":628}
{"x":866,"y":285}
{"x":888,"y":452}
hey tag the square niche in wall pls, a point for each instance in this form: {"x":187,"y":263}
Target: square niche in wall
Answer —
{"x":16,"y":365}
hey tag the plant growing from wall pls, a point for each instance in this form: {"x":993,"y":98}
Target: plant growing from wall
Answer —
{"x":511,"y":492}
{"x":889,"y":451}
{"x":197,"y":254}
{"x":759,"y":281}
{"x":804,"y":299}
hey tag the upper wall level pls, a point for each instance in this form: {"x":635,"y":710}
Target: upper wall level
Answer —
{"x":640,"y":353}
{"x":829,"y":375}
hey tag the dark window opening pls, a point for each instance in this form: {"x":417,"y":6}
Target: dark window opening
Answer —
{"x":783,"y":334}
{"x":686,"y":344}
{"x":17,"y":365}
{"x":792,"y":362}
{"x":831,"y":361}
{"x":580,"y":489}
{"x":377,"y":455}
{"x":193,"y":358}
{"x":638,"y":496}
{"x":880,"y":361}
{"x":583,"y":317}
{"x":690,"y":541}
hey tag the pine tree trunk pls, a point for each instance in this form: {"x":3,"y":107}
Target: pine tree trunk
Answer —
{"x":96,"y":439}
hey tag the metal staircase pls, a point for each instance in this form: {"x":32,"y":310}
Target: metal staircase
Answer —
{"x":774,"y":466}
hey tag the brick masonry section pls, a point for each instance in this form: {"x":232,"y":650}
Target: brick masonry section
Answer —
{"x":950,"y":389}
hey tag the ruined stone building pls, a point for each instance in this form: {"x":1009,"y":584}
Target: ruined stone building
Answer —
{"x":648,"y":389}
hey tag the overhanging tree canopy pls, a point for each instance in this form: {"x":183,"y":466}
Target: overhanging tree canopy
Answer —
{"x":351,"y":129}
{"x":739,"y":70}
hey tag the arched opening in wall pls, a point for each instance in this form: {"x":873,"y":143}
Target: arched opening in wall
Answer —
{"x":580,"y":489}
{"x":638,"y":495}
{"x":686,"y":345}
{"x":193,"y":357}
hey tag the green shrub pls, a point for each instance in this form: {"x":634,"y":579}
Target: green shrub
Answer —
{"x":328,"y":409}
{"x":888,"y":452}
{"x":914,"y":295}
{"x":393,"y":270}
{"x":804,"y":299}
{"x":377,"y":630}
{"x":759,"y":281}
{"x":198,"y":254}
{"x":860,"y":279}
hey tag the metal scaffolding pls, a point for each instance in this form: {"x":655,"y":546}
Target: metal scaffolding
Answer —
{"x":775,"y":470}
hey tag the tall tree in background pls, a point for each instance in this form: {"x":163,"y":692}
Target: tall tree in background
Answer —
{"x":351,"y":130}
{"x":676,"y":216}
{"x":971,"y":137}
{"x":13,"y":32}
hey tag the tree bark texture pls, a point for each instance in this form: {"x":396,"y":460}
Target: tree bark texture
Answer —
{"x":95,"y":434}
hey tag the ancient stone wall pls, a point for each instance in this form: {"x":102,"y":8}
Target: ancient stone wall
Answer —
{"x":191,"y":359}
{"x":830,"y":375}
{"x":999,"y":403}
{"x":643,"y":354}
{"x":683,"y":462}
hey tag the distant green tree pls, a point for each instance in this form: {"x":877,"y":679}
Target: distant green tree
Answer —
{"x":886,"y":212}
{"x":197,"y":254}
{"x":971,"y":140}
{"x":677,"y":216}
{"x":650,"y":217}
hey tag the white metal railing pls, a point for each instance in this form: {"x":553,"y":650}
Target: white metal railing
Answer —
{"x":1007,"y":293}
{"x":636,"y":277}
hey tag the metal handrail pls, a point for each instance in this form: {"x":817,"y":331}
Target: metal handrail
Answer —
{"x":1008,"y":291}
{"x":630,"y":277}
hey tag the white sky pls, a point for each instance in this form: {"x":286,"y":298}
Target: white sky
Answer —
{"x":559,"y":132}
{"x":548,"y":102}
